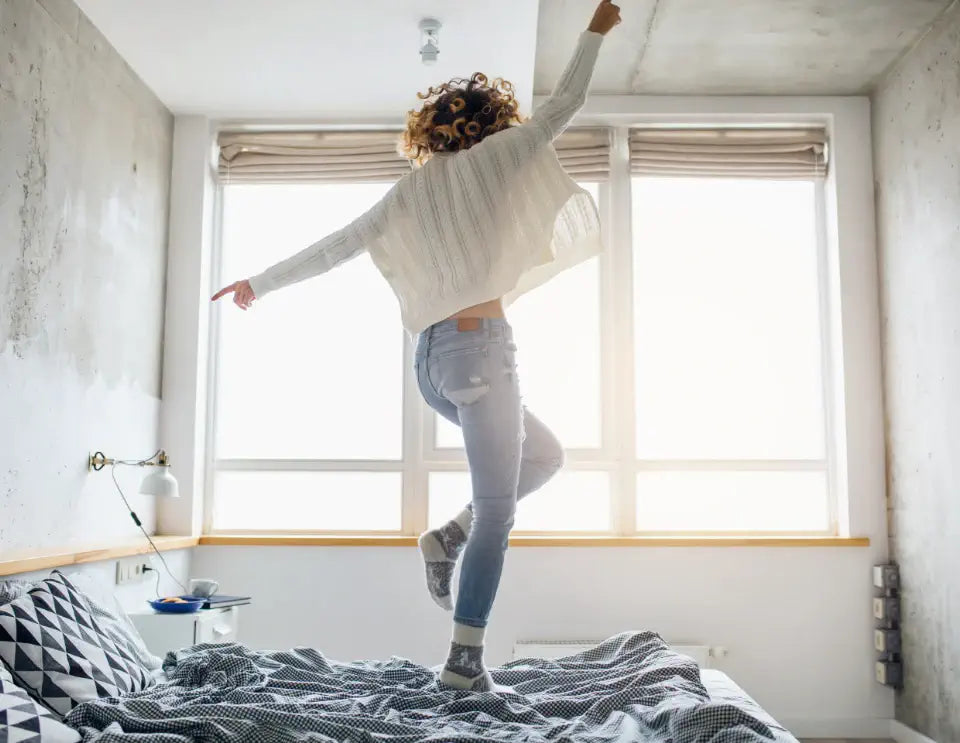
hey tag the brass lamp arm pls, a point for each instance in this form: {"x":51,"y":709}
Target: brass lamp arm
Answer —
{"x":98,"y":460}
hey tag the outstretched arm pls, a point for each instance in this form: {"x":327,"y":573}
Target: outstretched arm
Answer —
{"x":570,"y":92}
{"x":337,"y":247}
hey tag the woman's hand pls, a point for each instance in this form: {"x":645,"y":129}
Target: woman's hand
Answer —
{"x":243,"y":295}
{"x":605,"y":17}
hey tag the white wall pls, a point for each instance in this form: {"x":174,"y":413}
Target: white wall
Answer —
{"x":133,"y":595}
{"x":797,"y":620}
{"x":183,"y":418}
{"x":84,"y":174}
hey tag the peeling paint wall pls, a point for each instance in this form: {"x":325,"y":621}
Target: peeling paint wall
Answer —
{"x":85,"y":153}
{"x":917,"y":156}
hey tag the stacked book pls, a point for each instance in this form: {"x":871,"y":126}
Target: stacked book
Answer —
{"x":220,"y":602}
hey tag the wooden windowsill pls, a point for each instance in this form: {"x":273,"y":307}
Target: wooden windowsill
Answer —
{"x":376,"y":540}
{"x":27,"y":561}
{"x":34,"y":560}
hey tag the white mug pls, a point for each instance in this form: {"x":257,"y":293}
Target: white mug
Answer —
{"x":203,"y":587}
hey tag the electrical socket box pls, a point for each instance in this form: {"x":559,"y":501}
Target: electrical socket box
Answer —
{"x":889,"y":673}
{"x":886,"y":640}
{"x":886,"y":577}
{"x":886,"y":608}
{"x":131,"y":569}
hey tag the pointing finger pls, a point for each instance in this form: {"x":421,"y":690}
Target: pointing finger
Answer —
{"x":225,"y":290}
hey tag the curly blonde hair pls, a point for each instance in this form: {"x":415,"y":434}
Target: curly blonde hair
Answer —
{"x":458,"y":114}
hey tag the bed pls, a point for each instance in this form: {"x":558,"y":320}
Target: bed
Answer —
{"x":724,"y":690}
{"x":631,"y":687}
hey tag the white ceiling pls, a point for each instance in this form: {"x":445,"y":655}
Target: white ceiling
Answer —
{"x":350,"y":62}
{"x":312,"y":58}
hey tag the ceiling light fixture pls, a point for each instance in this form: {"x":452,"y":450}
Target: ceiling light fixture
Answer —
{"x":429,"y":40}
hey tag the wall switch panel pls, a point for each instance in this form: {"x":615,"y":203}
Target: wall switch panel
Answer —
{"x":131,"y":569}
{"x":886,"y":640}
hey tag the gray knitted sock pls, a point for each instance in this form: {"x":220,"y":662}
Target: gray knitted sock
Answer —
{"x":440,"y":549}
{"x":464,"y":667}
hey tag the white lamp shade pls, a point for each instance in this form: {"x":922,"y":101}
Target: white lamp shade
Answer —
{"x":160,"y":483}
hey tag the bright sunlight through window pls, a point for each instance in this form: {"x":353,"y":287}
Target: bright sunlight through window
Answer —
{"x":730,"y":427}
{"x":722,"y":428}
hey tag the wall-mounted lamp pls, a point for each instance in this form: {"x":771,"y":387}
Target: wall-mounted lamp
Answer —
{"x":159,"y":482}
{"x":429,"y":40}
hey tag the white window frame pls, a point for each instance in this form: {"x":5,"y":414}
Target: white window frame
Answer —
{"x":617,"y":452}
{"x":827,"y":464}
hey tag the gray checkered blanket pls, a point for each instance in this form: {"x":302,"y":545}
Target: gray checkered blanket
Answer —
{"x":631,"y":687}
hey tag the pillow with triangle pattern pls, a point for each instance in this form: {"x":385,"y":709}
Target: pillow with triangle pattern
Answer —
{"x":22,"y":720}
{"x":58,"y":650}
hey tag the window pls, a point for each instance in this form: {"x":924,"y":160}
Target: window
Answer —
{"x":730,"y":428}
{"x":293,"y":387}
{"x":547,"y":323}
{"x":683,"y":369}
{"x":293,"y":384}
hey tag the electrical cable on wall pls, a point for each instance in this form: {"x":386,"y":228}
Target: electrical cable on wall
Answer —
{"x":156,"y":589}
{"x":136,"y":519}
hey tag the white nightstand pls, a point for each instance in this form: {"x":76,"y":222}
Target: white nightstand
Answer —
{"x":163,"y":632}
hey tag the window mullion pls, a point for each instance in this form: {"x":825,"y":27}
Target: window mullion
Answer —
{"x":828,"y":371}
{"x":309,"y":465}
{"x":213,"y":367}
{"x":732,"y":465}
{"x":618,"y":354}
{"x":414,"y":500}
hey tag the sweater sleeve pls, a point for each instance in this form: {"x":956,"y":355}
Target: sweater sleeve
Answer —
{"x":570,"y":93}
{"x":323,"y":255}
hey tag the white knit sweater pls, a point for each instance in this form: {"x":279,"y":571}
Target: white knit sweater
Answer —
{"x":492,"y":221}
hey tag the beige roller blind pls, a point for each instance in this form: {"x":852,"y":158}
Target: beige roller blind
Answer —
{"x":732,"y":153}
{"x":367,"y":156}
{"x":585,"y":153}
{"x":310,"y":157}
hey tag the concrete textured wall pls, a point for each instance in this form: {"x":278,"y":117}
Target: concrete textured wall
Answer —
{"x":84,"y":180}
{"x":917,"y":154}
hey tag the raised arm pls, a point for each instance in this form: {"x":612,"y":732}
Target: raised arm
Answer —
{"x":570,"y":92}
{"x":323,"y":255}
{"x":337,"y":247}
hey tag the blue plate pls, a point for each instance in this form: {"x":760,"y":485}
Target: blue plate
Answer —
{"x":192,"y":604}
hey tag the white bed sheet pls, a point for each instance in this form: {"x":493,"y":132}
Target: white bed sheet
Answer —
{"x":722,"y":688}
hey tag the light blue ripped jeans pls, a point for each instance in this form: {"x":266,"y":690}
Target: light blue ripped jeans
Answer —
{"x":470,"y":378}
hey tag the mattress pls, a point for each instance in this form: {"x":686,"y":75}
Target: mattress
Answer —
{"x":631,"y":687}
{"x":724,"y":690}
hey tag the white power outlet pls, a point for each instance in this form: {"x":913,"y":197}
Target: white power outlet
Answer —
{"x":130,"y":570}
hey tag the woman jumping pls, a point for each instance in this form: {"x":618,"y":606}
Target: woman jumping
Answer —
{"x":488,"y":215}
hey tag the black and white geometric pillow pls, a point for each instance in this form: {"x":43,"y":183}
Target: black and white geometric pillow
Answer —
{"x":59,"y":652}
{"x":112,"y":617}
{"x":13,"y":589}
{"x":23,"y":720}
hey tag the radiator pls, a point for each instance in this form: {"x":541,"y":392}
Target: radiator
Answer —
{"x":559,"y":648}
